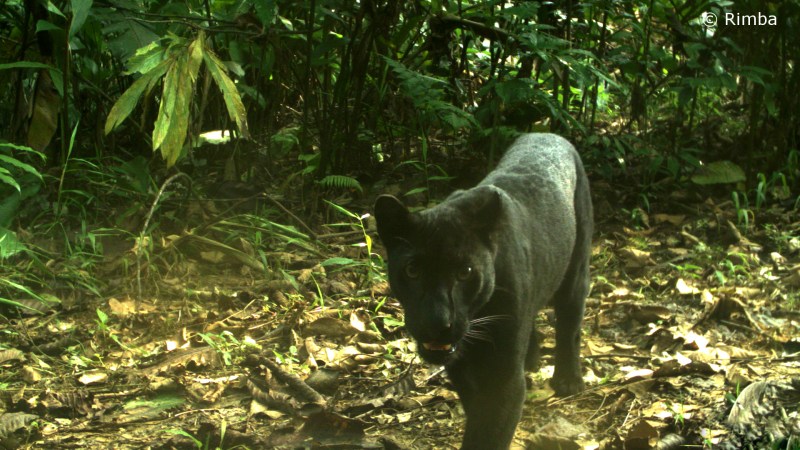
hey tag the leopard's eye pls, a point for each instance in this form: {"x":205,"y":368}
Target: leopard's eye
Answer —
{"x":464,"y":273}
{"x":412,"y":271}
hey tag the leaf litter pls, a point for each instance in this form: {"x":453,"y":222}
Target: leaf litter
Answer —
{"x":690,"y":340}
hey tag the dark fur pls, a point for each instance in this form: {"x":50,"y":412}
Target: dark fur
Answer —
{"x":525,"y":233}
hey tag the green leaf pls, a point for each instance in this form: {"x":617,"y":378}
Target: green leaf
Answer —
{"x":44,"y":25}
{"x":265,"y":11}
{"x":9,"y":180}
{"x":392,"y":322}
{"x":418,"y":190}
{"x":9,"y":205}
{"x":719,"y":172}
{"x":341,"y":182}
{"x":80,"y":11}
{"x":146,"y":58}
{"x":9,"y":302}
{"x":23,"y":148}
{"x":9,"y":246}
{"x":173,"y":116}
{"x":283,"y":141}
{"x":21,"y":288}
{"x":287,"y":23}
{"x":514,"y":90}
{"x":233,"y":102}
{"x":125,"y":37}
{"x":54,"y":9}
{"x":27,"y":65}
{"x":102,"y":316}
{"x":167,"y":105}
{"x":21,"y":165}
{"x":124,"y":106}
{"x":755,"y":74}
{"x":197,"y":443}
{"x":337,"y":262}
{"x":342,"y":210}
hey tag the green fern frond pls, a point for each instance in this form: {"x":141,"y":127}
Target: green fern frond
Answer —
{"x":341,"y":182}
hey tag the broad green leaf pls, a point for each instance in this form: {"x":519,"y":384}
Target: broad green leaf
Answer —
{"x":418,"y":190}
{"x":23,"y":148}
{"x":124,"y":106}
{"x":287,"y":23}
{"x":4,"y":178}
{"x":175,"y":119}
{"x":337,"y":262}
{"x":80,"y":11}
{"x":9,"y":204}
{"x":342,"y":210}
{"x":283,"y":141}
{"x":167,"y":106}
{"x":146,"y":58}
{"x":719,"y":172}
{"x":26,"y":65}
{"x":265,"y":11}
{"x":755,"y":74}
{"x":184,"y":99}
{"x":43,"y":25}
{"x":21,"y":288}
{"x":9,"y":302}
{"x":515,"y":90}
{"x":392,"y":322}
{"x":321,"y":55}
{"x":236,"y":68}
{"x":58,"y":81}
{"x":54,"y":9}
{"x":233,"y":102}
{"x":9,"y":246}
{"x":128,"y":36}
{"x":21,"y":165}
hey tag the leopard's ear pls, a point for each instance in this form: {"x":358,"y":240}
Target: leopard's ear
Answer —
{"x":393,"y":219}
{"x":483,"y":205}
{"x":490,"y":203}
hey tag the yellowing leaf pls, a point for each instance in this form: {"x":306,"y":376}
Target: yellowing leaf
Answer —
{"x":636,"y":258}
{"x":167,"y":106}
{"x":233,"y":102}
{"x":172,"y":123}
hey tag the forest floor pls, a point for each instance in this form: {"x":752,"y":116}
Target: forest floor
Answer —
{"x":686,"y":311}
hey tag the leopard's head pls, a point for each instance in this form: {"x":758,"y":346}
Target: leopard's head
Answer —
{"x":441,"y":265}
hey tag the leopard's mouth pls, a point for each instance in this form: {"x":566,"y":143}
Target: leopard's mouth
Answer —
{"x":438,"y":353}
{"x":436,"y":347}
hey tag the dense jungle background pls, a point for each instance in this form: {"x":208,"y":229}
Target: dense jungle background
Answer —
{"x":187,"y":256}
